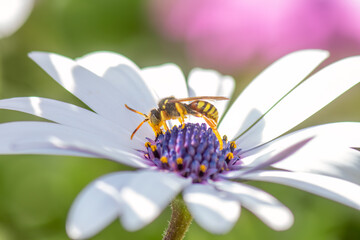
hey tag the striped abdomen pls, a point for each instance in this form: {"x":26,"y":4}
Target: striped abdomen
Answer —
{"x":205,"y":108}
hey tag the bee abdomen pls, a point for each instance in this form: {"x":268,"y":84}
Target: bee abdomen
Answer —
{"x":205,"y":108}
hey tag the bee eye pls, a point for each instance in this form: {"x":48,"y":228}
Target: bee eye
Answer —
{"x":155,"y":117}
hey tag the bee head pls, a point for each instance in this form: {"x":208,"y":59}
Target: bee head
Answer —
{"x":154,"y":120}
{"x":155,"y":117}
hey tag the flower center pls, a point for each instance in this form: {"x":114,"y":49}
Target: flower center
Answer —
{"x":192,"y":151}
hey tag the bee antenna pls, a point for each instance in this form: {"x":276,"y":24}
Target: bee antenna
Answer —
{"x":132,"y":135}
{"x":136,"y":111}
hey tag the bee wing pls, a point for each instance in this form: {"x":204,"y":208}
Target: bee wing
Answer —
{"x":214,"y":98}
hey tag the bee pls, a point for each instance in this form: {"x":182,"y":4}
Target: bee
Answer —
{"x":172,"y":108}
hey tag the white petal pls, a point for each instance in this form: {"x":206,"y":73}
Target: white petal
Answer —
{"x":164,"y":81}
{"x":268,"y":88}
{"x":124,"y":75}
{"x":98,"y":94}
{"x":51,"y":138}
{"x":328,"y":152}
{"x":146,"y":195}
{"x":15,"y":133}
{"x":276,"y":155}
{"x":167,"y":80}
{"x":204,"y":82}
{"x":100,"y":62}
{"x":343,"y":134}
{"x":137,"y":197}
{"x":211,"y":209}
{"x":65,"y":114}
{"x":96,"y":206}
{"x":134,"y":92}
{"x":330,"y":161}
{"x":339,"y":190}
{"x":308,"y":98}
{"x":267,"y":208}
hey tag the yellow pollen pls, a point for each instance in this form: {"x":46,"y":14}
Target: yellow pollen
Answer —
{"x":230,"y":156}
{"x":153,"y":148}
{"x":233,"y":144}
{"x":202,"y":168}
{"x":147,"y":144}
{"x":164,"y":159}
{"x":179,"y":161}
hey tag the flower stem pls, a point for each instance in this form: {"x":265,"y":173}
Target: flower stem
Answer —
{"x":180,"y":221}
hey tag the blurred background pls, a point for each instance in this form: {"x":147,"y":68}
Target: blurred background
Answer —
{"x":235,"y":37}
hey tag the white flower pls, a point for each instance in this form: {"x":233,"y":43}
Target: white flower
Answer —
{"x":320,"y":159}
{"x":13,"y":14}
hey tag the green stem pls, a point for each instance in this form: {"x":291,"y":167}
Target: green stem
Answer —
{"x":180,"y":221}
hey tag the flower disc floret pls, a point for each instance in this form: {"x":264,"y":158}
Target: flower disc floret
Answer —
{"x":192,"y":151}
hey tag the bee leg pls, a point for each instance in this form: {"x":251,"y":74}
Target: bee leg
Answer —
{"x":166,"y":127}
{"x":182,"y":111}
{"x":163,"y":117}
{"x":156,"y":130}
{"x":212,"y":124}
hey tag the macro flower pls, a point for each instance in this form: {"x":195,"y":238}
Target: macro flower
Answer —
{"x":188,"y":160}
{"x":230,"y":34}
{"x":13,"y":14}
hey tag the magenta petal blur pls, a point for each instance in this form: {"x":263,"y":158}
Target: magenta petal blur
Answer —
{"x":230,"y":34}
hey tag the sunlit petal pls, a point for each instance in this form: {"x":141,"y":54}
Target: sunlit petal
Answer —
{"x":328,"y":153}
{"x":211,"y":209}
{"x":205,"y":82}
{"x":308,"y":98}
{"x":98,"y":94}
{"x":274,"y":156}
{"x":167,"y":80}
{"x":146,"y":195}
{"x":51,"y":138}
{"x":338,"y":190}
{"x":96,"y":206}
{"x":69,"y":115}
{"x":268,"y":88}
{"x":267,"y":208}
{"x":100,"y":62}
{"x":123,"y":75}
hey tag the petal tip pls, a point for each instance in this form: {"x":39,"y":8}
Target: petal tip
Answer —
{"x":322,"y":52}
{"x":284,"y":222}
{"x":131,"y":226}
{"x":36,"y":54}
{"x":73,"y":232}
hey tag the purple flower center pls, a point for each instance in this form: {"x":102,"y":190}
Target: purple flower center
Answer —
{"x":192,"y":151}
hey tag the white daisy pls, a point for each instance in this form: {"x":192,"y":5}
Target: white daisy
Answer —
{"x":321,"y":159}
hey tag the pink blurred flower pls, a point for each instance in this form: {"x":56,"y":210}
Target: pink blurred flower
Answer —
{"x":230,"y":34}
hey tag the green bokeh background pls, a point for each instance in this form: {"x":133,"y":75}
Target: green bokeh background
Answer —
{"x":37,"y":191}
